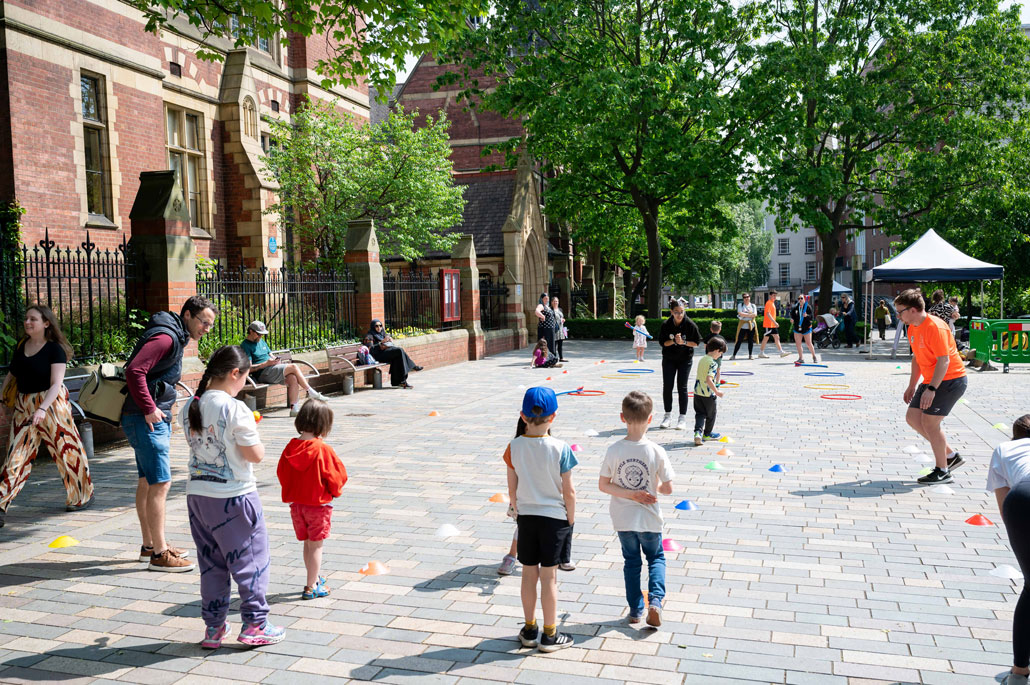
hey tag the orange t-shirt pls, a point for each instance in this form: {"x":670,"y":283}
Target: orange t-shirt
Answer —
{"x":932,"y":339}
{"x":769,"y":321}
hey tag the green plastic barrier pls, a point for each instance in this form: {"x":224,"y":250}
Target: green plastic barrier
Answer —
{"x":1006,"y":341}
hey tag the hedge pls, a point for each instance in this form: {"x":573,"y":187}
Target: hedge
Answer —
{"x":615,"y":329}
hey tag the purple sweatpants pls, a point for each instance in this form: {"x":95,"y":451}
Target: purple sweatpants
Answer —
{"x":231,"y":541}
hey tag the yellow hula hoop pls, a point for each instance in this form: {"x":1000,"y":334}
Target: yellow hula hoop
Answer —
{"x":729,"y":384}
{"x":828,"y":386}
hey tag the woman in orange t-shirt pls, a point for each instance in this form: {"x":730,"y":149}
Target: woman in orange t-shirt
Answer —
{"x":935,"y":358}
{"x":772,"y":329}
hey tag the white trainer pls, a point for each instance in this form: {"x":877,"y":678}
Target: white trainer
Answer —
{"x":681,"y":425}
{"x":666,"y":420}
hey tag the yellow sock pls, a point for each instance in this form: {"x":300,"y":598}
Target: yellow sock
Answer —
{"x":549,"y":631}
{"x":531,"y":624}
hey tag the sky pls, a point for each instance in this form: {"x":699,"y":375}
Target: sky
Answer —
{"x":402,"y":75}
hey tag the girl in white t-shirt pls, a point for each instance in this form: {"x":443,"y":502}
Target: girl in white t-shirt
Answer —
{"x":226,"y":518}
{"x":1009,"y":478}
{"x":640,"y":337}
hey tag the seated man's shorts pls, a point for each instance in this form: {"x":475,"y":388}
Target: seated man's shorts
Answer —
{"x":272,"y":375}
{"x":542,"y":540}
{"x":311,"y":522}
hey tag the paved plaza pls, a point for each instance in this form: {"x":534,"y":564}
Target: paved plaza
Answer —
{"x":840,"y":570}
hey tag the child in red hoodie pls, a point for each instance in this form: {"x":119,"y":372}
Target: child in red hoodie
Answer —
{"x":312,"y":475}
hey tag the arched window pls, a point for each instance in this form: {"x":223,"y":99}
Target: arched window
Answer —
{"x":249,"y":118}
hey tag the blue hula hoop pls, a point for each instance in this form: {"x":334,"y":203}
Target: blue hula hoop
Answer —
{"x":634,"y":370}
{"x":821,"y":366}
{"x":738,"y":373}
{"x":823,"y":373}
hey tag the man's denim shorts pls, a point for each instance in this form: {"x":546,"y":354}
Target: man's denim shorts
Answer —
{"x":151,"y":447}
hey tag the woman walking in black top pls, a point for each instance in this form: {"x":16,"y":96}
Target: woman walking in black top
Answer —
{"x":678,"y":338}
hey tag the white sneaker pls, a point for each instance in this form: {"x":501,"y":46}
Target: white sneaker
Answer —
{"x":763,"y":355}
{"x":681,"y":425}
{"x":295,"y":409}
{"x":315,"y":395}
{"x":784,"y":354}
{"x":666,"y":420}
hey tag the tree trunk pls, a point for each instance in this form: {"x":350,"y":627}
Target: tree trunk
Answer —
{"x":831,"y":246}
{"x":648,"y":209}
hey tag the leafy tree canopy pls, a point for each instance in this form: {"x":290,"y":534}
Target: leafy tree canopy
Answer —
{"x":366,"y":41}
{"x":886,"y":108}
{"x":331,"y":170}
{"x":629,"y":104}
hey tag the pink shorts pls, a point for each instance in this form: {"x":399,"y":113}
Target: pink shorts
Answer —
{"x":311,"y":522}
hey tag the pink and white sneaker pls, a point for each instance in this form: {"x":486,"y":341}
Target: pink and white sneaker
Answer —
{"x":213,"y":636}
{"x":267,"y":634}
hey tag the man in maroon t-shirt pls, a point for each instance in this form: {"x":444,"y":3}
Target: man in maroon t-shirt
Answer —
{"x":151,"y":373}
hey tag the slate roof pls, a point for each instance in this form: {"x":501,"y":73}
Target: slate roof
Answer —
{"x":487,"y":205}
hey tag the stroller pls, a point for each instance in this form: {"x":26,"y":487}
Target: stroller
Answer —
{"x":825,"y":333}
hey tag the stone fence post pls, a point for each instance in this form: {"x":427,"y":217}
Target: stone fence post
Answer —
{"x":591,"y":288}
{"x":463,"y":258}
{"x":362,"y":259}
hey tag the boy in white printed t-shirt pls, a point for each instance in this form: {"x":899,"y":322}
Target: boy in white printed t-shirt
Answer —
{"x":541,"y":493}
{"x":634,"y":472}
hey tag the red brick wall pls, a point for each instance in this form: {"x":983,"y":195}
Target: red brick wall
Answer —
{"x":93,"y":19}
{"x":139,"y":122}
{"x":6,"y":161}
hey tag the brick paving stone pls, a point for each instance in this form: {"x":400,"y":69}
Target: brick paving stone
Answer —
{"x":841,"y":570}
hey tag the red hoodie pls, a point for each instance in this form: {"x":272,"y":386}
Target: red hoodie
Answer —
{"x":310,"y":472}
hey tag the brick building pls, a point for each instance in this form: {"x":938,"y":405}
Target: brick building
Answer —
{"x":88,"y":100}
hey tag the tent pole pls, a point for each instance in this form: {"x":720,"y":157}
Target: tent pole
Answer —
{"x":1001,"y":308}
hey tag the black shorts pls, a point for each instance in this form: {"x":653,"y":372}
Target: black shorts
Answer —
{"x":771,"y":332}
{"x":947,"y":395}
{"x":542,"y":540}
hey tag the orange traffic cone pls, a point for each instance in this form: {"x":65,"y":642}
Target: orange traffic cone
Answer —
{"x":979,"y":520}
{"x":374,"y":568}
{"x":434,"y":413}
{"x":499,"y":497}
{"x":725,"y":452}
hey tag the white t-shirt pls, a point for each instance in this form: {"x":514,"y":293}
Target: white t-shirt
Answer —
{"x":539,"y":463}
{"x":216,"y":468}
{"x":1010,"y":464}
{"x":636,"y":466}
{"x":747,"y":310}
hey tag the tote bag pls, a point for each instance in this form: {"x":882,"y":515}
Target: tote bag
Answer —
{"x":103,"y":394}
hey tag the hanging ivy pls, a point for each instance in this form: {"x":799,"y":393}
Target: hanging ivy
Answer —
{"x":11,"y":301}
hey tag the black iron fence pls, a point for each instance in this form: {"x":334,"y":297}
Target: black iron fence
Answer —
{"x":412,"y":303}
{"x":92,"y":292}
{"x":580,"y":304}
{"x":493,"y":295}
{"x":603,"y":303}
{"x":303,"y":308}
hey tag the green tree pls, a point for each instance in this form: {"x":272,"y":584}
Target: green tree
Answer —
{"x":331,"y":170}
{"x":886,"y":108}
{"x":366,"y":41}
{"x":630,"y":104}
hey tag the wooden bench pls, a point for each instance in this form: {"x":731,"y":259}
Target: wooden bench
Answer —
{"x":78,"y":377}
{"x":285,"y":357}
{"x":344,"y":359}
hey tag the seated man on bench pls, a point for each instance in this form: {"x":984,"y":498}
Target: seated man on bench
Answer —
{"x":268,"y":370}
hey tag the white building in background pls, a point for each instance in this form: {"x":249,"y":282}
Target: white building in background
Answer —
{"x":794,"y":265}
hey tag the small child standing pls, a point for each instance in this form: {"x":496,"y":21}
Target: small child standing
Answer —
{"x":640,"y":334}
{"x":312,"y":475}
{"x":541,"y":493}
{"x":634,"y":472}
{"x":365,"y":351}
{"x":226,"y":518}
{"x":706,"y":390}
{"x":542,"y":358}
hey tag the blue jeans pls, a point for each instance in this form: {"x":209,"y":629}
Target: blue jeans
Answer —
{"x":651,"y":545}
{"x":151,"y":447}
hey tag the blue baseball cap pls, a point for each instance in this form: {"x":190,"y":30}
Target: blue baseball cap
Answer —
{"x":539,"y":402}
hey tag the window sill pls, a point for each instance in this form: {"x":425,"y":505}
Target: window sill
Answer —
{"x":200,"y":234}
{"x":100,"y":221}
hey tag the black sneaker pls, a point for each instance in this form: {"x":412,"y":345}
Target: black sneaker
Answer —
{"x":552,"y":643}
{"x":934,"y":477}
{"x":79,"y":507}
{"x":955,"y":461}
{"x":528,"y":636}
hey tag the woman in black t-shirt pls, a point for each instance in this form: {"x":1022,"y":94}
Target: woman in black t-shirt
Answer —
{"x":43,"y":413}
{"x":678,"y":338}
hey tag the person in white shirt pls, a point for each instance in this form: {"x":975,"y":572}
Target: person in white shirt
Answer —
{"x":1009,"y":479}
{"x":634,"y":472}
{"x":746,"y":315}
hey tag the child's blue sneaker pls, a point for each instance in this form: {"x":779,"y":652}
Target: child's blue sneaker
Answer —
{"x":713,"y":436}
{"x":320,"y":590}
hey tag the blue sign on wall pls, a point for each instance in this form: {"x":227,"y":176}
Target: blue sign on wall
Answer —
{"x":273,"y":245}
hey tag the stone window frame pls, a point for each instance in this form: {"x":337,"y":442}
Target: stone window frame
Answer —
{"x":784,"y":274}
{"x":810,"y":244}
{"x":100,"y":127}
{"x":811,"y":271}
{"x":249,"y":119}
{"x":783,"y":246}
{"x":197,"y":191}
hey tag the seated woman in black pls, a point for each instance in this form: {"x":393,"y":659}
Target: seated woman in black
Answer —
{"x":383,"y":350}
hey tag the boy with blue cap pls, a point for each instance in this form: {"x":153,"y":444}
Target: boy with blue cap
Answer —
{"x":544,"y":501}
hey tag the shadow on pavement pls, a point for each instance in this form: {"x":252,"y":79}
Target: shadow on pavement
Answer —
{"x":25,"y":572}
{"x":102,"y":659}
{"x":860,"y":488}
{"x":483,"y":577}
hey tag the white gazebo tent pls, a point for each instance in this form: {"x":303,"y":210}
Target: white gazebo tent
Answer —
{"x":931,"y":258}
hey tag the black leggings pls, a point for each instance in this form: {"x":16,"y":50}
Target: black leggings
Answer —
{"x":558,"y":347}
{"x":1015,"y":512}
{"x":678,"y":370}
{"x":547,"y":333}
{"x":742,"y":335}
